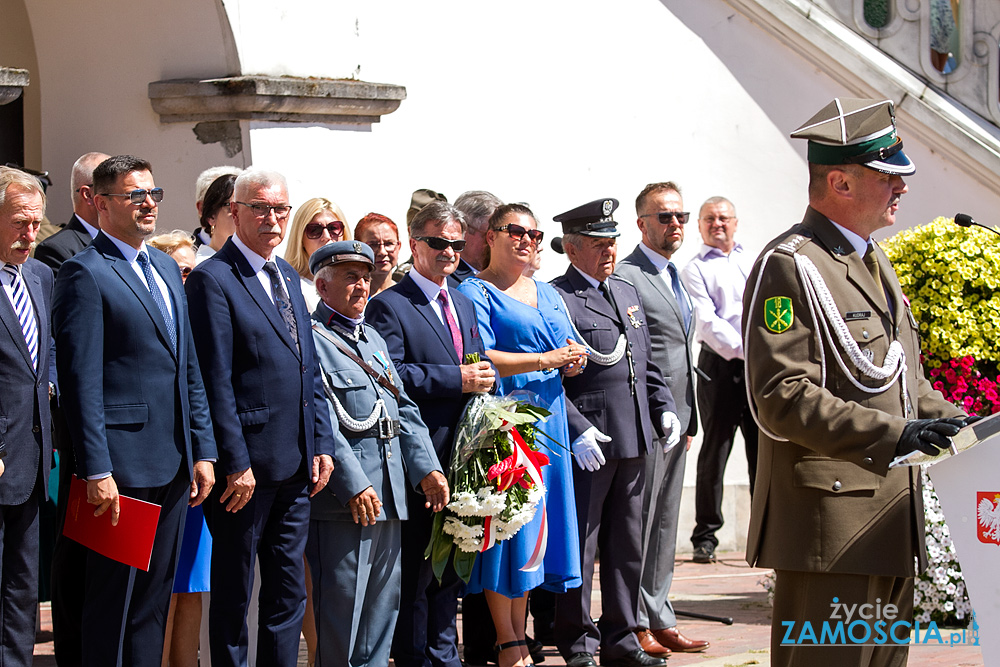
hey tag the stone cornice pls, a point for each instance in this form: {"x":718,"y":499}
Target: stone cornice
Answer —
{"x":281,"y":99}
{"x":12,"y":83}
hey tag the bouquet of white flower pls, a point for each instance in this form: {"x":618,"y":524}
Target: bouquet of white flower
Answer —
{"x":496,"y":482}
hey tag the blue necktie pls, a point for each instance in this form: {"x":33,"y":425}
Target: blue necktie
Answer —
{"x":675,"y":282}
{"x":25,"y":313}
{"x":282,"y":302}
{"x":157,"y":295}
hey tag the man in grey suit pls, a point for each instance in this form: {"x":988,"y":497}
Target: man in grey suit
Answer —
{"x":382,"y":447}
{"x":661,"y":220}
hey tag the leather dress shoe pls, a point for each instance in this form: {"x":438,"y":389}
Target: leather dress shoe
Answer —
{"x":675,"y":641}
{"x":704,"y":553}
{"x":648,"y":643}
{"x":636,"y":658}
{"x":581,"y":660}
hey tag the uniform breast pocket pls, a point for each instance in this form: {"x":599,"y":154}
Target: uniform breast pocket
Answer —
{"x":839,"y":477}
{"x":349,"y":387}
{"x":873,"y":345}
{"x":599,"y":333}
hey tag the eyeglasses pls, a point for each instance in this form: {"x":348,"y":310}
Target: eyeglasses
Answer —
{"x":139,"y":196}
{"x":666,"y":216}
{"x":517,"y":232}
{"x":438,"y":243}
{"x":724,"y":219}
{"x":85,"y":185}
{"x":388,"y":245}
{"x":314,"y":230}
{"x":263,"y":210}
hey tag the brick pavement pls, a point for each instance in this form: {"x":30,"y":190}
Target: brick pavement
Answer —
{"x":726,"y":588}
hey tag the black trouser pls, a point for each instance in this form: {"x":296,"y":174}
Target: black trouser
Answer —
{"x":722,"y":403}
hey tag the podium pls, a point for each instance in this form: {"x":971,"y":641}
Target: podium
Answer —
{"x":968,"y":487}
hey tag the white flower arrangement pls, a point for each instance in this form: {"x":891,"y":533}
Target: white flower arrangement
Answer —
{"x":939,"y":594}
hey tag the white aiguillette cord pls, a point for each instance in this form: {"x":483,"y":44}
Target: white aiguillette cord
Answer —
{"x":823,"y":310}
{"x":598,"y":358}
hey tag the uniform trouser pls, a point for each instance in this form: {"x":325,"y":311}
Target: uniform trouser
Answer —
{"x":722,"y":403}
{"x":124,"y":608}
{"x":661,"y":504}
{"x":355,"y":572}
{"x":426,"y":634}
{"x":609,"y":508}
{"x":808,"y":596}
{"x":19,"y":579}
{"x":271,"y":527}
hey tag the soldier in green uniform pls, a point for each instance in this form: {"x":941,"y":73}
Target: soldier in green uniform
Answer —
{"x":835,"y":381}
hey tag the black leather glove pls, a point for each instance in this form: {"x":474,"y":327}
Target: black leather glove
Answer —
{"x":928,"y":435}
{"x":971,"y":419}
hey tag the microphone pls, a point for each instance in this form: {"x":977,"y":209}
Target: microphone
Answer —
{"x":557,"y":244}
{"x":965,"y":220}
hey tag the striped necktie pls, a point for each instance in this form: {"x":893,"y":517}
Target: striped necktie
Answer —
{"x":25,"y":312}
{"x":154,"y":291}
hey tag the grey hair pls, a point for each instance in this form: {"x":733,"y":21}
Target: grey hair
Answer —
{"x":714,"y":201}
{"x":261,"y":178}
{"x":477,"y":206}
{"x":437,"y":211}
{"x":83,"y":172}
{"x":207,"y":177}
{"x":10,"y":176}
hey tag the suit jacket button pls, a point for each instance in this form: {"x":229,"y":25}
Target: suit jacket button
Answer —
{"x":305,"y":404}
{"x":35,"y":429}
{"x":837,"y":485}
{"x":303,"y":369}
{"x":867,"y":461}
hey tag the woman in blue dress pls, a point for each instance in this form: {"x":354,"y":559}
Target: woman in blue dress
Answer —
{"x":526,"y":333}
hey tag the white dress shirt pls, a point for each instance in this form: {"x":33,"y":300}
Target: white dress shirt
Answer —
{"x":716,"y":282}
{"x":431,"y":290}
{"x":131,"y":254}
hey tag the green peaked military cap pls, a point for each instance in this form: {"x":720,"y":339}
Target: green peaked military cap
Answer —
{"x":856,"y":131}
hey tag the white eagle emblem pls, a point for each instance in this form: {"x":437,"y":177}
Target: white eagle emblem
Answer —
{"x":989,"y":517}
{"x":608,"y":207}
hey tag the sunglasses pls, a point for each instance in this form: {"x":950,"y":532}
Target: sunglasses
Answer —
{"x":186,"y":271}
{"x":517,"y":232}
{"x":666,"y":216}
{"x":438,"y":243}
{"x":314,"y":230}
{"x":139,"y":196}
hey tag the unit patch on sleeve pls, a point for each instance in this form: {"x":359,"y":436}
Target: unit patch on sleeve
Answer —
{"x":778,"y":315}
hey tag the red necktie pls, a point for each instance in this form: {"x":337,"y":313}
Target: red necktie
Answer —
{"x":456,"y":335}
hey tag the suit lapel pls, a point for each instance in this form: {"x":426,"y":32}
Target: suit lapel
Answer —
{"x":130,"y":278}
{"x":593,"y":298}
{"x":253,"y":286}
{"x":843,"y":253}
{"x":659,"y":284}
{"x":423,"y":306}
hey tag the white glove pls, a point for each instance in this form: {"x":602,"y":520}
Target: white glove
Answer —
{"x":671,"y":427}
{"x":586,"y":450}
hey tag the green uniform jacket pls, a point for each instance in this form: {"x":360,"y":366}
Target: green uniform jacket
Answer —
{"x":825,"y":499}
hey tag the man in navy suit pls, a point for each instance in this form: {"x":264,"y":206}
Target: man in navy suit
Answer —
{"x":429,"y":329}
{"x":25,"y":447}
{"x":617,"y":408}
{"x":134,"y":400}
{"x":69,"y":557}
{"x":271,"y":422}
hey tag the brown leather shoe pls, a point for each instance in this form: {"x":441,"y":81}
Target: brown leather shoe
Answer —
{"x":649,"y":644}
{"x":672,"y":639}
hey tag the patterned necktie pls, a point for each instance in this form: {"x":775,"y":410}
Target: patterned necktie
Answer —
{"x":871,"y":263}
{"x":25,"y":313}
{"x":282,"y":302}
{"x":675,"y":283}
{"x":456,"y":335}
{"x":154,"y":291}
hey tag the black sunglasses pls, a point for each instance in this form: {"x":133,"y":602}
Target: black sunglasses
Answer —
{"x":517,"y":232}
{"x":438,"y":243}
{"x":314,"y":230}
{"x":186,"y":271}
{"x":139,"y":196}
{"x":666,"y":216}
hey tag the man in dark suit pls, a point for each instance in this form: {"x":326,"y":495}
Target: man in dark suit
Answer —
{"x":429,"y":329}
{"x":616,"y":408}
{"x":68,"y":556}
{"x":271,"y":422}
{"x":668,"y":307}
{"x":135,"y":403}
{"x":84,"y":225}
{"x":25,"y":447}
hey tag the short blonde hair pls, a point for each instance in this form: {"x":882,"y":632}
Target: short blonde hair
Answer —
{"x":169,"y":242}
{"x":295,"y":253}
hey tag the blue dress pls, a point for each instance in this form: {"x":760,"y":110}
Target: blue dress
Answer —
{"x":194,"y":564}
{"x":508,"y":325}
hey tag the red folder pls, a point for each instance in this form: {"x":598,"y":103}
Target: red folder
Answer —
{"x":130,"y":542}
